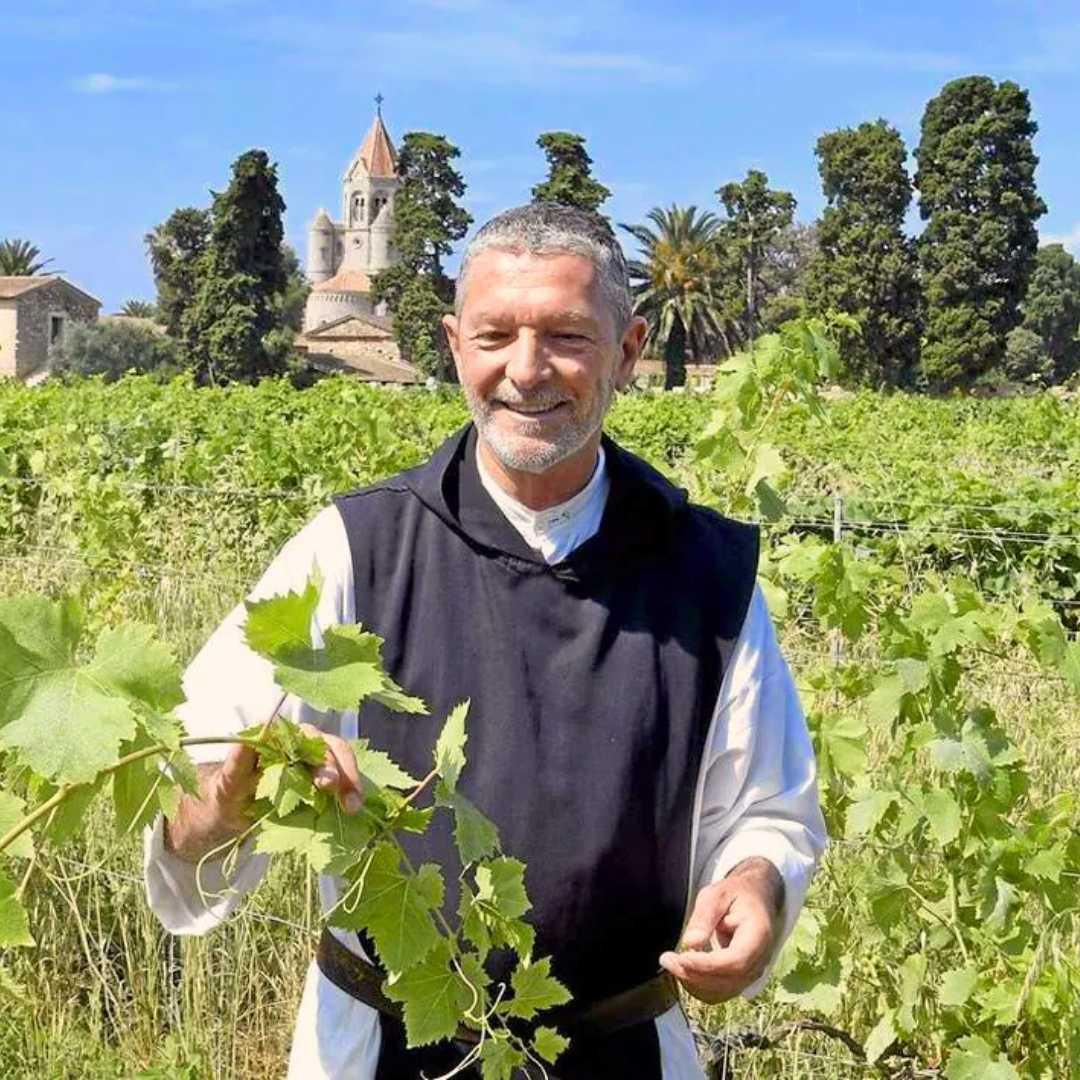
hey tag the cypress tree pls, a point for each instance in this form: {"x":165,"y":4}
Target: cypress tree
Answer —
{"x":976,"y":181}
{"x":865,"y":265}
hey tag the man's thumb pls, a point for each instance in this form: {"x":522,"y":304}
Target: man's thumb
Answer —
{"x":709,"y":908}
{"x":238,"y":770}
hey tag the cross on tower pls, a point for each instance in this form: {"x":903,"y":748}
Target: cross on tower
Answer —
{"x":379,"y":99}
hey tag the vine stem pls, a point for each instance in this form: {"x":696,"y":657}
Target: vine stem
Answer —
{"x":420,"y":787}
{"x":62,"y":793}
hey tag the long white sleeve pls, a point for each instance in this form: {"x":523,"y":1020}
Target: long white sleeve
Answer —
{"x":758,"y":793}
{"x":229,"y":688}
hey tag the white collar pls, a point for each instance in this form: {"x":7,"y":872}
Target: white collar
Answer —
{"x":552,"y":528}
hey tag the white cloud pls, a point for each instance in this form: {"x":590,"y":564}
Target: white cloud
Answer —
{"x":102,"y":83}
{"x":1069,"y":240}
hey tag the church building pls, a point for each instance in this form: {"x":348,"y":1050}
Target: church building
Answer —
{"x":343,"y":327}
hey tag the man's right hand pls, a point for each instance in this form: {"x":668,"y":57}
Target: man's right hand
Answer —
{"x":221,"y":811}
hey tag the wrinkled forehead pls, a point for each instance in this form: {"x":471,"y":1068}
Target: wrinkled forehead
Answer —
{"x":525,"y":286}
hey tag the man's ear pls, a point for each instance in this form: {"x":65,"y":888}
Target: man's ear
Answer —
{"x":633,"y":341}
{"x":450,"y":325}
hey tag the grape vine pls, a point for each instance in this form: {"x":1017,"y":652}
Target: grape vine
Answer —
{"x":80,"y":721}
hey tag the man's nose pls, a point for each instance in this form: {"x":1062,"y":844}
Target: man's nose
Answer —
{"x":527,"y":365}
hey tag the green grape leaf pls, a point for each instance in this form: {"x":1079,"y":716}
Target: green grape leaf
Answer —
{"x":956,"y":986}
{"x":395,"y":908}
{"x":379,"y":768}
{"x":535,"y":989}
{"x":160,"y":728}
{"x":473,"y":924}
{"x":338,"y":676}
{"x":549,"y":1044}
{"x":70,"y":816}
{"x":65,"y":720}
{"x":1047,"y":863}
{"x":516,"y":934}
{"x":475,"y":835}
{"x":1001,"y":1002}
{"x":814,"y":985}
{"x":14,"y":927}
{"x":973,"y":1059}
{"x":140,"y":790}
{"x":999,"y":899}
{"x":450,"y":747}
{"x":912,"y":978}
{"x":129,"y":659}
{"x":499,"y":1058}
{"x":770,"y":504}
{"x":501,"y":883}
{"x":943,"y":815}
{"x":12,"y":811}
{"x":865,"y":813}
{"x":432,"y":994}
{"x":881,"y":1038}
{"x":342,"y":674}
{"x":287,"y":787}
{"x":283,"y":623}
{"x":297,"y":833}
{"x":396,"y":700}
{"x":842,"y":738}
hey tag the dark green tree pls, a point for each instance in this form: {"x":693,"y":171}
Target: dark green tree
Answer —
{"x":234,"y":330}
{"x":756,"y":215}
{"x":570,"y":180}
{"x":111,"y":349}
{"x":175,"y":248}
{"x":19,"y":258}
{"x":295,"y":294}
{"x":673,"y":284}
{"x":784,"y":272}
{"x":428,"y":221}
{"x":1026,"y":359}
{"x":1052,"y":309}
{"x":976,"y":181}
{"x":866,"y":265}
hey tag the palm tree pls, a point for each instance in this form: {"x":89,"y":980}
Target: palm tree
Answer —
{"x":674,"y":285}
{"x":139,"y":309}
{"x":19,"y":258}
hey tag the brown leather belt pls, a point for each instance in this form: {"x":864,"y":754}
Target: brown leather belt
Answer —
{"x":362,"y":981}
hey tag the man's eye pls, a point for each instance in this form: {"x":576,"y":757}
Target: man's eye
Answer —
{"x":570,"y":336}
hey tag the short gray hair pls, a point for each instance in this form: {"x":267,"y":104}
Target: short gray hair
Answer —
{"x":545,"y":228}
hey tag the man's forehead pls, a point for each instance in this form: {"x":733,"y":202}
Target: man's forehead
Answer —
{"x":561,"y":281}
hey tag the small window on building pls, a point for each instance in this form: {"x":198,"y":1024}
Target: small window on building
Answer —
{"x":56,"y":330}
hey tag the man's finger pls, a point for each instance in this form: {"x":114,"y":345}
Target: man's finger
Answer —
{"x":710,"y":907}
{"x":339,"y":772}
{"x":237,"y":772}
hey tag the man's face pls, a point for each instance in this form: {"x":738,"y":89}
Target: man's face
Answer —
{"x":538,"y":355}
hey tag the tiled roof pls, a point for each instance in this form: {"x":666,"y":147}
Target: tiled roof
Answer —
{"x":377,"y":151}
{"x":10,"y":287}
{"x":345,"y":281}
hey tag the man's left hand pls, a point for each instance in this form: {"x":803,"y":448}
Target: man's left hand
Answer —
{"x":731,"y":933}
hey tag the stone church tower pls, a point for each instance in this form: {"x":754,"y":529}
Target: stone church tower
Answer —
{"x":343,"y":255}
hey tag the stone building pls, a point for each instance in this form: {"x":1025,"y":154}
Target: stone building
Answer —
{"x":344,"y":330}
{"x":35,"y":313}
{"x":343,"y":255}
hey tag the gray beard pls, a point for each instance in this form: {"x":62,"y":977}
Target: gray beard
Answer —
{"x":534,"y":455}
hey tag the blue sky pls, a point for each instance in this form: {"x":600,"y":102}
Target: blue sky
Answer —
{"x":118,"y":112}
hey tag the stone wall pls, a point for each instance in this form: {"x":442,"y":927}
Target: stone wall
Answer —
{"x":9,"y":317}
{"x":35,"y":310}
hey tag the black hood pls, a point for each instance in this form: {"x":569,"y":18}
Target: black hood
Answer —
{"x":642,"y":510}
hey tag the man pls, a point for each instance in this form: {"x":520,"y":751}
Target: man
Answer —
{"x":634,"y":731}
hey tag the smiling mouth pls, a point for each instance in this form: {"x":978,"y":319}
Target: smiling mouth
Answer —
{"x":531,"y":414}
